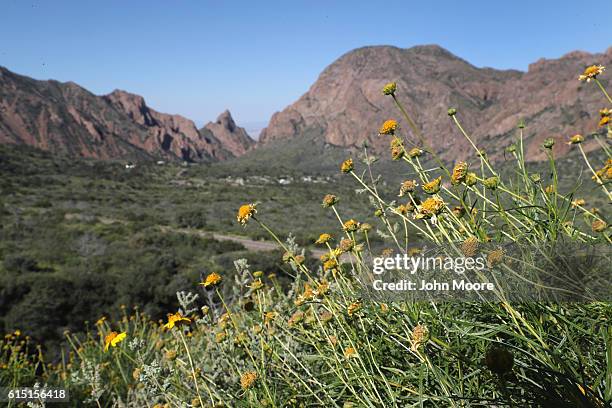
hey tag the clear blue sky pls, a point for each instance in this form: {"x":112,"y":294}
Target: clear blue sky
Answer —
{"x":198,"y":58}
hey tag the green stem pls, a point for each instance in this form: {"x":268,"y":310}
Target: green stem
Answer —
{"x":603,"y":90}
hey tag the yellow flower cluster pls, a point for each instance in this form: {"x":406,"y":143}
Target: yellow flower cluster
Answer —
{"x":591,"y":72}
{"x":459,"y":172}
{"x":389,"y":127}
{"x":211,"y":280}
{"x":245,"y":212}
{"x":323,"y":238}
{"x":347,"y":166}
{"x":430,"y":207}
{"x":351,"y":226}
{"x":248,"y":379}
{"x":433,"y":186}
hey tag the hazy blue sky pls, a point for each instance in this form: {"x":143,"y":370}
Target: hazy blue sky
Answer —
{"x":198,"y":58}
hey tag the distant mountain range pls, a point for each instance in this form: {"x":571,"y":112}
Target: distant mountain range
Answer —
{"x":343,"y":108}
{"x":66,"y":118}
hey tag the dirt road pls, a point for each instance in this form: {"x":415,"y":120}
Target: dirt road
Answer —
{"x":250,"y":244}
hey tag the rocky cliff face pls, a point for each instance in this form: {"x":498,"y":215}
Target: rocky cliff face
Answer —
{"x":346,"y":107}
{"x":232,"y":137}
{"x":65,"y":118}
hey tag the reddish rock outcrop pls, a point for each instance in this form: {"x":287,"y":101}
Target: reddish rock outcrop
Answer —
{"x":232,"y":137}
{"x":68,"y":119}
{"x":346,"y":104}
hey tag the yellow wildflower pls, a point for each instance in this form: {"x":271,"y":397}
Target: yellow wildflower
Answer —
{"x":211,"y":280}
{"x":459,"y":172}
{"x":579,"y":202}
{"x":347,"y":166}
{"x":245,"y":212}
{"x":350,"y":352}
{"x":270,"y":316}
{"x":176,"y":319}
{"x":351,"y":226}
{"x":404,"y":209}
{"x":420,"y":336}
{"x":330,"y":264}
{"x":433,"y":186}
{"x":576,"y":139}
{"x":306,"y":296}
{"x":430,"y":207}
{"x":323,"y":238}
{"x":605,"y":112}
{"x":591,"y":72}
{"x":415,"y":152}
{"x":248,"y":379}
{"x":389,"y":89}
{"x":388,"y":127}
{"x":257,"y":284}
{"x":329,"y":200}
{"x":407,"y":186}
{"x":353,"y":308}
{"x":113,"y":338}
{"x":604,"y":121}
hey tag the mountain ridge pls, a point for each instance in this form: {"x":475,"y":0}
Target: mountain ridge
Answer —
{"x":347,"y":104}
{"x":344,"y":107}
{"x":64,"y":117}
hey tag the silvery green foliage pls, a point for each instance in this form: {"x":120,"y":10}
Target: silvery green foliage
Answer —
{"x":382,"y":234}
{"x":294,"y":248}
{"x":150,"y":376}
{"x":186,"y":299}
{"x":89,"y":374}
{"x":242,"y":277}
{"x":241,"y":265}
{"x":361,"y":190}
{"x":136,"y":344}
{"x":291,"y":245}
